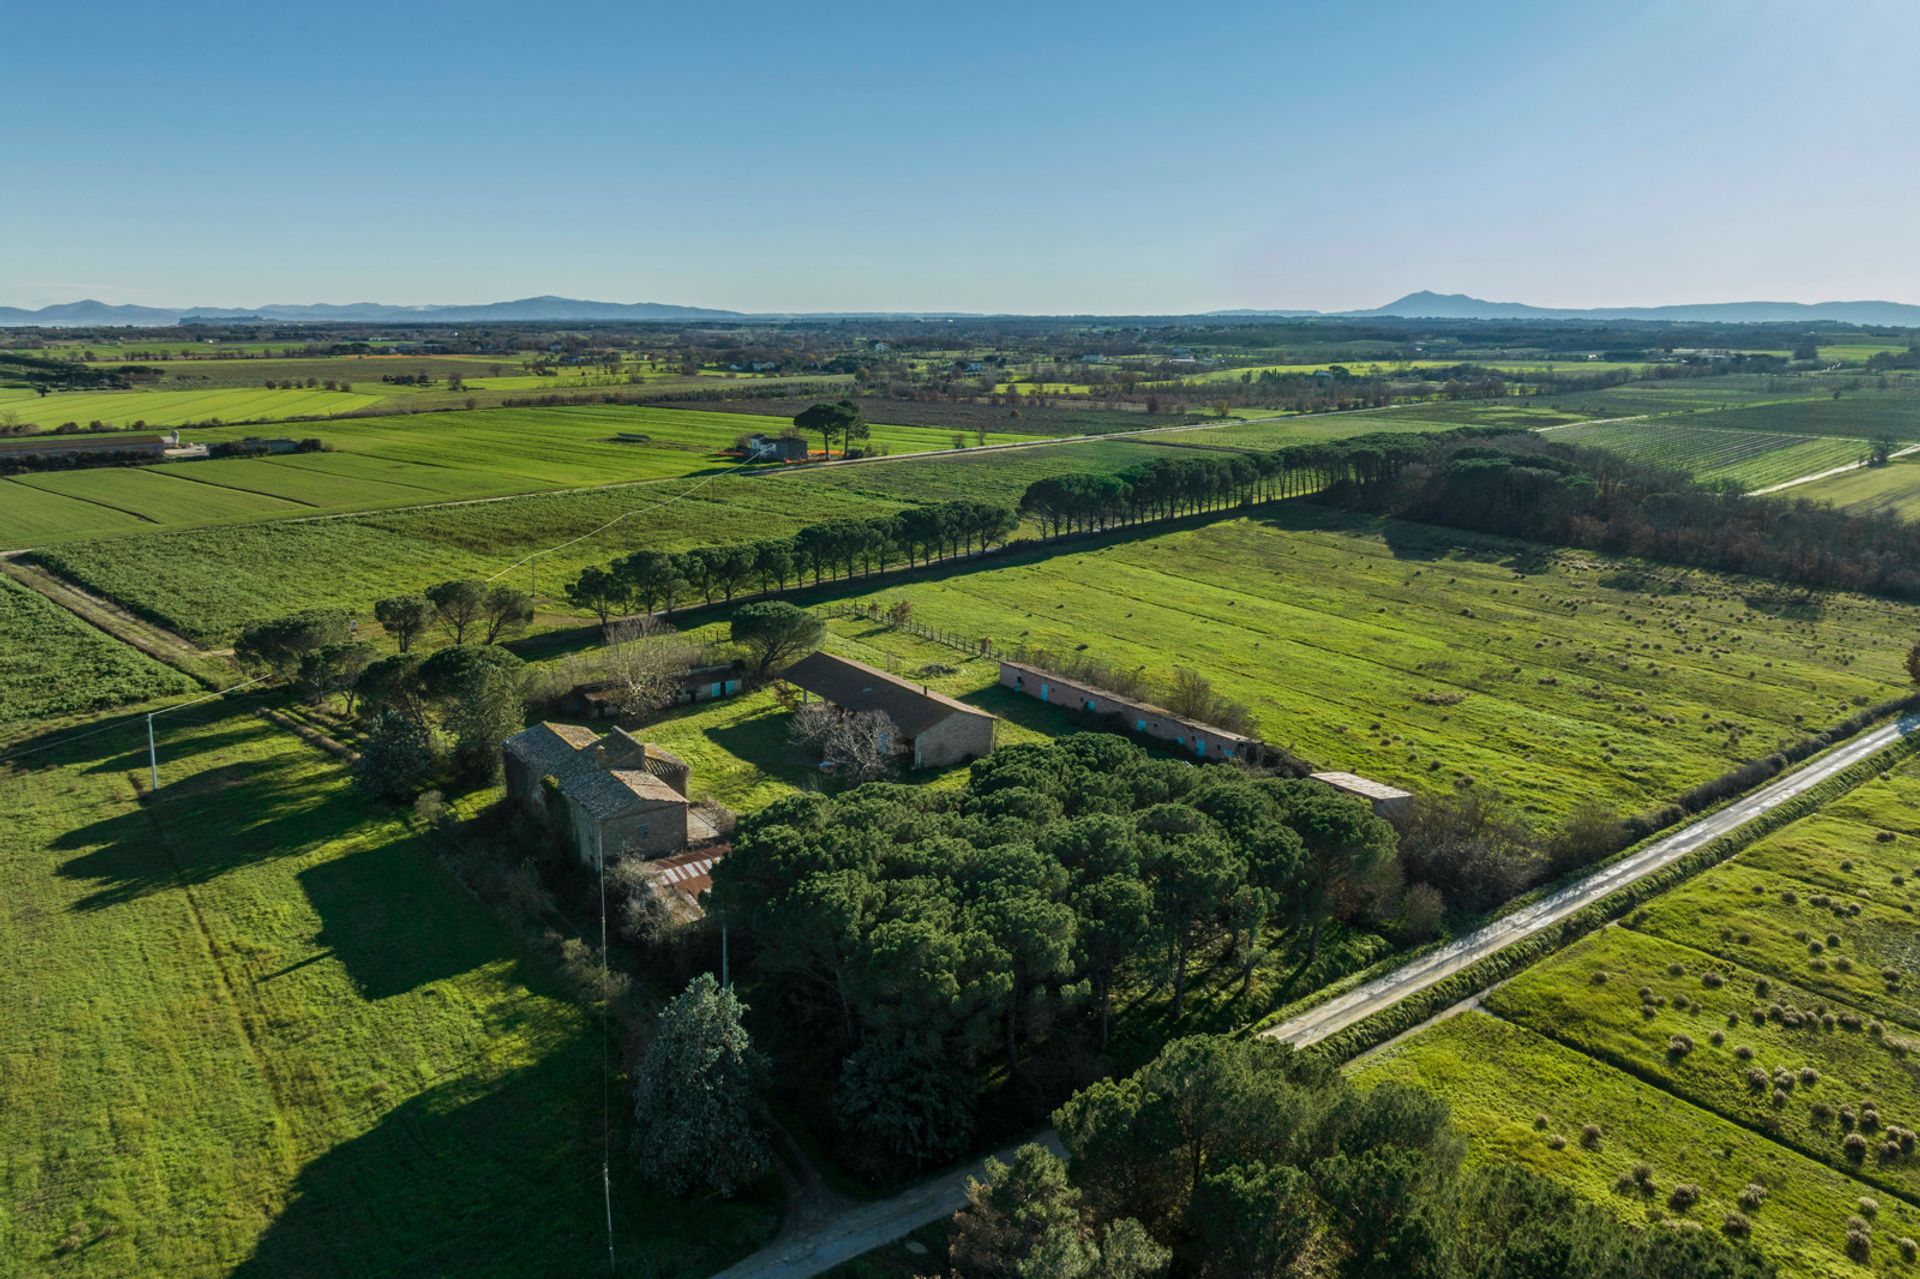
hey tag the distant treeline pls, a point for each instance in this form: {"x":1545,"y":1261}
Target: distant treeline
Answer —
{"x":651,"y":581}
{"x":1517,"y":484}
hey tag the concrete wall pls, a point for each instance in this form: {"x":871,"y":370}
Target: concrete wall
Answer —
{"x":1196,"y":740}
{"x":954,"y":740}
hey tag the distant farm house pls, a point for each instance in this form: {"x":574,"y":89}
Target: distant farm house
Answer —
{"x":938,"y":730}
{"x":1385,"y":800}
{"x":100,"y":442}
{"x":1202,"y":741}
{"x":773,"y":448}
{"x":607,"y":796}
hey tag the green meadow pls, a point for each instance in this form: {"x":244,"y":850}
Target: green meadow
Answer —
{"x":1893,"y":489}
{"x":176,"y":408}
{"x":254,"y":1027}
{"x":1432,"y":658}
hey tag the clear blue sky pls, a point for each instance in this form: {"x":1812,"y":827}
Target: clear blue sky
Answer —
{"x":1039,"y":157}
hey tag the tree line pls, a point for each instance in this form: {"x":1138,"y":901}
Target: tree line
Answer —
{"x":650,"y":581}
{"x":1517,"y":484}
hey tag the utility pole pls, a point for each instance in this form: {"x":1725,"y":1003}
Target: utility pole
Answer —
{"x":153,"y":756}
{"x":153,"y":759}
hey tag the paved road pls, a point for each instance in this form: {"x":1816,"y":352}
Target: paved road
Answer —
{"x":872,"y":1225}
{"x":1338,"y":1014}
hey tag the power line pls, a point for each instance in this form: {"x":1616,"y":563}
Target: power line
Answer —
{"x":625,"y":515}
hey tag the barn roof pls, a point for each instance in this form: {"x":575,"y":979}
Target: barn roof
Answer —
{"x":855,"y":686}
{"x":611,"y":792}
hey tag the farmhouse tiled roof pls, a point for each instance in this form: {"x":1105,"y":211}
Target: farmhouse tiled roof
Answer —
{"x":855,"y":686}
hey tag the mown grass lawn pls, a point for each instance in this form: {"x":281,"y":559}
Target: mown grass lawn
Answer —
{"x":255,"y":1028}
{"x":1501,"y":1080}
{"x":1893,"y":488}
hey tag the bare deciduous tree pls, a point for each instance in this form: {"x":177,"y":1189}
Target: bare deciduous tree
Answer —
{"x":648,"y":659}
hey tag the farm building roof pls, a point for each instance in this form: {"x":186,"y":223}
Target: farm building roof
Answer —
{"x":551,"y":748}
{"x":855,"y":686}
{"x":613,"y":791}
{"x":1365,"y":787}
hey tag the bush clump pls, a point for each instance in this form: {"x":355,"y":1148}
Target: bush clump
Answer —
{"x":1590,"y":1135}
{"x":1679,"y":1045}
{"x":1736,"y":1226}
{"x":1683,"y":1196}
{"x":1752,"y":1195}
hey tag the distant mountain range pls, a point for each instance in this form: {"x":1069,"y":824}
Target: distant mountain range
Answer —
{"x":1414,"y":306}
{"x":1458,"y":306}
{"x":90,"y":312}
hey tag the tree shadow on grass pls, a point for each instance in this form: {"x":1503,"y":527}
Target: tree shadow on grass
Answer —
{"x":481,"y":1178}
{"x":205,"y":824}
{"x":386,"y":915}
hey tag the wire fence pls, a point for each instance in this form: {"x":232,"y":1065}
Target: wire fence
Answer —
{"x":890,"y":616}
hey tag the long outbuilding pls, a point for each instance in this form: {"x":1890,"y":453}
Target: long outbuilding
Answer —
{"x":1202,"y":741}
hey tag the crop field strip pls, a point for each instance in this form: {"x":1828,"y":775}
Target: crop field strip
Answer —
{"x":1772,"y":992}
{"x":1753,"y":458}
{"x":52,"y":663}
{"x":254,"y":1027}
{"x":175,"y":408}
{"x":1550,"y":687}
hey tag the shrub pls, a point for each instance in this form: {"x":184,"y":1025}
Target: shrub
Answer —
{"x":1809,"y":1076}
{"x":1712,"y":981}
{"x":1908,"y":1249}
{"x":1679,"y":1046}
{"x":1717,"y":1038}
{"x":1676,"y":970}
{"x":1683,"y":1196}
{"x":1859,"y":1239}
{"x":1821,"y":1111}
{"x":1641,"y":1174}
{"x":1779,"y":1099}
{"x":1736,"y":1226}
{"x":1743,"y":1052}
{"x":1752,"y":1195}
{"x":1762,"y":988}
{"x":1869,"y":1207}
{"x":1540,"y":1122}
{"x":1855,"y":1146}
{"x":1556,"y":1142}
{"x":1600,"y":977}
{"x":1590,"y":1136}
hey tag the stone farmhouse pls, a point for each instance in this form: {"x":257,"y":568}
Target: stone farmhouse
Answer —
{"x":1202,"y":741}
{"x":938,"y":730}
{"x":606,"y":796}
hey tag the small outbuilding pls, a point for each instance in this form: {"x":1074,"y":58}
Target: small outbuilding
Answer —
{"x":1385,"y":800}
{"x":938,"y":730}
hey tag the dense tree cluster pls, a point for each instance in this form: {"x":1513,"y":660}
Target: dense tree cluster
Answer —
{"x":1244,"y":1159}
{"x":699,"y":1113}
{"x":907,"y":936}
{"x":650,"y":581}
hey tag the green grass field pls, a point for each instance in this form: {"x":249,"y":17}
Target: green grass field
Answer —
{"x":1424,"y":656}
{"x":1893,"y":489}
{"x":175,"y":408}
{"x":395,"y":461}
{"x":208,"y":583}
{"x":52,"y":663}
{"x":255,"y":1028}
{"x":1502,"y":1079}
